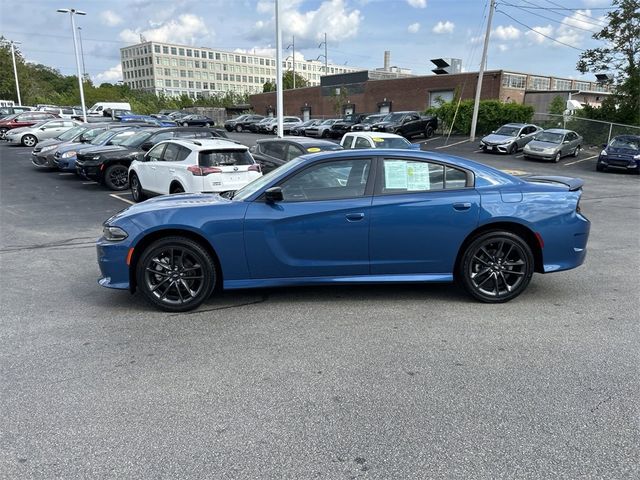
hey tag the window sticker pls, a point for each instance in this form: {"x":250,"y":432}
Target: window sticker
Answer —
{"x":418,"y":176}
{"x":395,"y":174}
{"x":313,"y":149}
{"x":377,"y":139}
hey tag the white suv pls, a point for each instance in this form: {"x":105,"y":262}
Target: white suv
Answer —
{"x":194,"y":166}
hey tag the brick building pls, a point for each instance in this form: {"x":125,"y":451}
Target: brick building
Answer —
{"x":360,"y":92}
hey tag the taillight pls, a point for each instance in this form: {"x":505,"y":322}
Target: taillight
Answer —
{"x":254,"y":168}
{"x":202,"y":171}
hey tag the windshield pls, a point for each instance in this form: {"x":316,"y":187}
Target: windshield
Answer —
{"x":391,"y":142}
{"x":626,"y":142}
{"x":71,"y":133}
{"x":549,"y":137}
{"x":122,"y":136}
{"x":136,"y":140}
{"x":39,"y":124}
{"x":260,"y":182}
{"x":328,"y":122}
{"x":349,"y":118}
{"x":508,"y":131}
{"x":394,"y":117}
{"x":10,"y":117}
{"x":221,"y":158}
{"x":372,"y":119}
{"x":103,"y":137}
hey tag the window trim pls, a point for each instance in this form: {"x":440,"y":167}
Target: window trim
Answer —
{"x":377,"y":192}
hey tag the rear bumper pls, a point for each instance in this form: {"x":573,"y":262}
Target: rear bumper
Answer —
{"x":565,"y":255}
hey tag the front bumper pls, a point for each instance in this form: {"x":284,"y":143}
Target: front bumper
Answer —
{"x":612,"y":162}
{"x":500,"y":148}
{"x":90,"y":172}
{"x":112,"y":260}
{"x":13,"y":139}
{"x":539,"y":155}
{"x":43,"y":160}
{"x":65,"y":164}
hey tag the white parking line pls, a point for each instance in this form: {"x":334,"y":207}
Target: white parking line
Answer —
{"x":429,"y":139}
{"x":520,"y":156}
{"x":66,"y":173}
{"x":581,"y":160}
{"x":478,"y":151}
{"x":452,"y":144}
{"x":89,"y":183}
{"x":123,"y":199}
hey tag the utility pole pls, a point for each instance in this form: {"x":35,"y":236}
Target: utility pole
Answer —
{"x":84,"y":68}
{"x":72,"y":13}
{"x":293,"y":56}
{"x":279,"y":79}
{"x":476,"y":105}
{"x":15,"y":72}
{"x":325,"y":53}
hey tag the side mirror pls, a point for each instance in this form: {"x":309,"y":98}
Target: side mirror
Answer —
{"x":273,"y":195}
{"x":42,"y":128}
{"x":522,"y":135}
{"x":493,"y":131}
{"x":253,"y":149}
{"x":566,"y":141}
{"x":146,"y":146}
{"x":84,"y":140}
{"x":604,"y":145}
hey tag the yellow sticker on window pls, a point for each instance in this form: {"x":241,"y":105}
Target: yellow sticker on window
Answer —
{"x":377,"y":139}
{"x":313,"y":149}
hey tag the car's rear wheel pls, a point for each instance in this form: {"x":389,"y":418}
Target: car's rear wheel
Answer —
{"x":238,"y":128}
{"x":325,"y":134}
{"x":116,"y":177}
{"x":496,"y":267}
{"x":3,"y":131}
{"x":136,"y":188}
{"x":29,"y":140}
{"x":177,"y":188}
{"x":513,"y":148}
{"x":600,"y":167}
{"x":207,"y":125}
{"x":577,"y":151}
{"x":557,"y":158}
{"x":176,"y":274}
{"x":428,"y":133}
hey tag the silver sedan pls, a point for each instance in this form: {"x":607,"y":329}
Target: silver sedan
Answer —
{"x":30,"y":136}
{"x":553,"y":144}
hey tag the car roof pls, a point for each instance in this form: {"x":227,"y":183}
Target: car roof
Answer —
{"x":200,"y":144}
{"x":558,"y":130}
{"x":375,"y":134}
{"x":520,"y":125}
{"x":628,"y":137}
{"x":304,"y":141}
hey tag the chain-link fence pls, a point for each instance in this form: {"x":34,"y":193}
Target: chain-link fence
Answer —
{"x":594,"y":132}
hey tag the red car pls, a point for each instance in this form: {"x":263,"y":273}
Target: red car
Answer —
{"x":25,"y":119}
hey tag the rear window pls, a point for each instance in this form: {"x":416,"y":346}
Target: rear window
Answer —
{"x":220,"y":158}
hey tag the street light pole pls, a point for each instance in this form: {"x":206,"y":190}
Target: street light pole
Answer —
{"x":84,"y":68}
{"x":279,"y":79}
{"x":325,"y":53}
{"x":72,"y":12}
{"x":476,"y":104}
{"x":15,"y":72}
{"x":293,"y":56}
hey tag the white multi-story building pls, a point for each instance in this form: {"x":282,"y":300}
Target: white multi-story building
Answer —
{"x":175,"y":70}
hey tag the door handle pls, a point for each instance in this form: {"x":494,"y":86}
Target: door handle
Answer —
{"x":354,"y":217}
{"x":153,"y":167}
{"x":461,"y":206}
{"x":172,"y":170}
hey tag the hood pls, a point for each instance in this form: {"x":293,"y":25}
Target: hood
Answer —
{"x":79,"y":147}
{"x":176,"y":200}
{"x":495,"y":138}
{"x":18,"y":130}
{"x":539,"y":144}
{"x":383,"y":124}
{"x":105,"y":150}
{"x":622,"y":152}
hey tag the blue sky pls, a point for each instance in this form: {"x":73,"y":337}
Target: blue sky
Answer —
{"x":358,"y":30}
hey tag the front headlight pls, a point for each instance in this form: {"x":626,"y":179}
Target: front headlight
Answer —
{"x":95,"y":157}
{"x":113,"y":234}
{"x":603,"y":153}
{"x":49,"y":148}
{"x":366,"y":127}
{"x":70,"y":154}
{"x":636,"y":157}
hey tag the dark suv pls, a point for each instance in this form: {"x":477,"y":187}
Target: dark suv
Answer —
{"x":243,"y":122}
{"x":341,"y":127}
{"x":109,"y":165}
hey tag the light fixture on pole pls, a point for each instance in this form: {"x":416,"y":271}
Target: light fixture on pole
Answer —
{"x":84,"y":68}
{"x":293,"y":56}
{"x":279,"y":85}
{"x":15,"y":70}
{"x":325,"y":53}
{"x":72,"y":13}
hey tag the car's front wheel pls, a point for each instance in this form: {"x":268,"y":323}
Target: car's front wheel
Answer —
{"x":116,"y":177}
{"x":238,"y":128}
{"x":577,"y":151}
{"x":496,"y":267}
{"x":176,"y":274}
{"x":513,"y":148}
{"x":428,"y":133}
{"x":557,"y":158}
{"x":29,"y":140}
{"x":185,"y":124}
{"x":136,"y":188}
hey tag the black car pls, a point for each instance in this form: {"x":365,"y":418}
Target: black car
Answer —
{"x":109,"y":165}
{"x":243,"y":122}
{"x":270,"y":154}
{"x":257,"y":126}
{"x":196,"y":121}
{"x":341,"y":127}
{"x":300,"y":129}
{"x":408,"y":124}
{"x":365,"y":125}
{"x":622,"y":153}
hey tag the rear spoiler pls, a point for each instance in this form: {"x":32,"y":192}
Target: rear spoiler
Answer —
{"x":573,"y":183}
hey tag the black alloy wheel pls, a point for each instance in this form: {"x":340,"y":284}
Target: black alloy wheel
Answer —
{"x":116,"y":177}
{"x":3,"y":131}
{"x":207,"y":125}
{"x":238,"y":128}
{"x":176,"y":274}
{"x":496,"y":267}
{"x":29,"y":140}
{"x":185,"y":124}
{"x":428,"y":133}
{"x":136,"y":189}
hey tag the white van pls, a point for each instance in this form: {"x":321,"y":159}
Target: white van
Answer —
{"x":99,"y":107}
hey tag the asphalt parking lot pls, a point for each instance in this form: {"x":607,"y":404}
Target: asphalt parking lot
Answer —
{"x":333,"y":382}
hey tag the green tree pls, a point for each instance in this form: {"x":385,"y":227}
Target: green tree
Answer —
{"x":339,"y":99}
{"x":620,"y":54}
{"x":287,"y":81}
{"x":268,"y":87}
{"x":557,"y":106}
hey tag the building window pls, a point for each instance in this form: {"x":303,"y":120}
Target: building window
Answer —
{"x":165,"y":50}
{"x":181,"y":52}
{"x":156,"y":48}
{"x":190,"y":84}
{"x":189,"y":52}
{"x":583,"y":86}
{"x":196,"y":64}
{"x":183,"y":73}
{"x":176,"y":83}
{"x":174,"y":62}
{"x":539,"y":83}
{"x":514,"y":81}
{"x":167,"y":72}
{"x":174,"y":51}
{"x":196,"y":53}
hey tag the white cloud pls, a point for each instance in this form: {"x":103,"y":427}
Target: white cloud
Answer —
{"x":331,"y":16}
{"x":502,"y":47}
{"x":417,"y":3}
{"x":538,"y":33}
{"x":572,"y":28}
{"x":111,"y":75}
{"x":185,"y":29}
{"x":508,"y":32}
{"x":413,"y":28}
{"x":444,"y":27}
{"x":110,"y":18}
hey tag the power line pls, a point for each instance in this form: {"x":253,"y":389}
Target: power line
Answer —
{"x":561,"y":22}
{"x":577,"y":10}
{"x":565,"y":8}
{"x":539,"y":33}
{"x":592,"y":21}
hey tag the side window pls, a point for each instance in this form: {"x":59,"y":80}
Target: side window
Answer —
{"x":183,"y":153}
{"x":328,"y":181}
{"x":454,"y":178}
{"x":362,"y":143}
{"x":69,"y":124}
{"x":347,"y":141}
{"x":403,"y":176}
{"x":171,"y":153}
{"x":54,"y":125}
{"x":274,"y":149}
{"x":155,"y":154}
{"x":161,"y":136}
{"x":413,"y":118}
{"x":293,"y":152}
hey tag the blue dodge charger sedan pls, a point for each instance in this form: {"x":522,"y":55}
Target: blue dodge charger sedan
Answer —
{"x":358,"y":216}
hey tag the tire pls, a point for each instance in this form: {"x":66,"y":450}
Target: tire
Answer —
{"x":275,"y":130}
{"x":428,"y":133}
{"x":176,"y":274}
{"x":557,"y":158}
{"x":324,"y":134}
{"x":496,"y":267}
{"x":484,"y":148}
{"x":116,"y":177}
{"x":2,"y":132}
{"x":177,"y":189}
{"x":185,"y":124}
{"x":512,"y":149}
{"x":29,"y":140}
{"x":600,"y":168}
{"x":238,"y":128}
{"x":136,"y":188}
{"x":577,"y":150}
{"x":207,"y":125}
